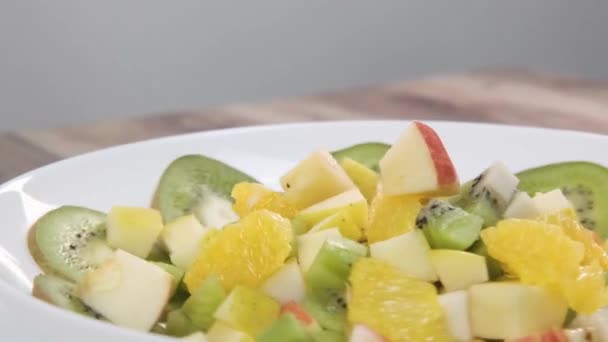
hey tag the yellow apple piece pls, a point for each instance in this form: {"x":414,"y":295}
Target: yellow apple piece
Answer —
{"x":314,"y":179}
{"x":409,"y":252}
{"x":351,"y":201}
{"x":456,"y":309}
{"x":134,"y":230}
{"x":222,"y":332}
{"x":248,"y":310}
{"x":504,"y":310}
{"x":344,"y":222}
{"x":286,"y":284}
{"x":182,"y":238}
{"x":457,"y":270}
{"x":418,"y":163}
{"x":127,"y":290}
{"x":364,"y":178}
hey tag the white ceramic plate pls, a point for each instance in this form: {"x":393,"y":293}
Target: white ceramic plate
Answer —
{"x":127,"y":175}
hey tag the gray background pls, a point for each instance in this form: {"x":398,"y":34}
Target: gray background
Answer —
{"x":65,"y":61}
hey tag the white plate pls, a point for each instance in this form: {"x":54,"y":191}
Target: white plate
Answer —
{"x":127,"y":175}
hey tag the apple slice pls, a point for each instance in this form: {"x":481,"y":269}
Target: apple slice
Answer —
{"x":248,"y":310}
{"x":361,"y":333}
{"x":409,"y":252}
{"x":134,"y":230}
{"x":127,"y":290}
{"x":553,"y":335}
{"x":596,"y":322}
{"x":364,"y":178}
{"x":222,"y":332}
{"x":182,"y":238}
{"x":286,"y":284}
{"x":456,"y":308}
{"x":418,"y":163}
{"x":309,"y":245}
{"x":457,"y":270}
{"x":314,"y":179}
{"x":504,"y":310}
{"x":552,"y":202}
{"x":522,"y":206}
{"x":351,"y":201}
{"x":196,"y":337}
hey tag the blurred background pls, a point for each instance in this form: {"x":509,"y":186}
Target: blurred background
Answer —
{"x":70,"y":61}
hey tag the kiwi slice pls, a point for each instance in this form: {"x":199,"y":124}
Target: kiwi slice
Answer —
{"x":179,"y":325}
{"x":328,"y":307}
{"x":368,"y":154}
{"x":189,"y":180}
{"x":204,"y":301}
{"x":287,"y":329}
{"x":332,"y":265}
{"x":68,"y":241}
{"x":585,"y":184}
{"x":59,"y":292}
{"x":328,"y":336}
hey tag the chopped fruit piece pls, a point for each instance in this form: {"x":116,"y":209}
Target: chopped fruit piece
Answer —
{"x":361,"y":333}
{"x":182,"y":238}
{"x":213,"y":209}
{"x":408,"y":252}
{"x":552,"y":202}
{"x":597,"y":323}
{"x":495,"y":270}
{"x":134,"y":230}
{"x":458,"y":270}
{"x":331,"y":267}
{"x":522,"y":206}
{"x":203,"y":302}
{"x":308,"y":246}
{"x":447,"y":226}
{"x":303,"y":316}
{"x":315,"y":179}
{"x":456,"y":308}
{"x":418,"y":163}
{"x":503,"y":310}
{"x":244,"y":253}
{"x":221,"y":332}
{"x":351,"y":201}
{"x":248,"y":310}
{"x":344,"y":222}
{"x":365,"y":179}
{"x":368,"y":154}
{"x":176,"y":272}
{"x":286,"y":284}
{"x":250,"y":197}
{"x":542,"y":254}
{"x":391,"y":216}
{"x":127,"y":290}
{"x":178,"y":324}
{"x":396,"y":306}
{"x":195,"y":337}
{"x":287,"y":328}
{"x":553,"y":335}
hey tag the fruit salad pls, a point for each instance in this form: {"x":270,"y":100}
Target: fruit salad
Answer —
{"x":371,"y":243}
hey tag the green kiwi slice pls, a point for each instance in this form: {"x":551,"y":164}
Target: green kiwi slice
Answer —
{"x":585,"y":184}
{"x":368,"y":154}
{"x":68,"y":241}
{"x":328,"y":307}
{"x":59,"y":292}
{"x":191,"y":181}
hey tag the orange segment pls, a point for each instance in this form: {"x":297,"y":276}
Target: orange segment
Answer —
{"x":391,"y":216}
{"x":249,"y":197}
{"x":396,"y":306}
{"x":244,"y":253}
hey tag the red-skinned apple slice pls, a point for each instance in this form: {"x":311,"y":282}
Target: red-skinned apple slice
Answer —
{"x":418,"y":163}
{"x":555,"y":335}
{"x":301,"y":315}
{"x":362,"y":333}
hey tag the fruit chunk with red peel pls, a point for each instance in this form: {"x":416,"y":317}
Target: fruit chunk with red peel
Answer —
{"x":361,"y":333}
{"x":418,"y":163}
{"x":286,"y":284}
{"x":314,"y":179}
{"x":554,"y":335}
{"x":303,"y":316}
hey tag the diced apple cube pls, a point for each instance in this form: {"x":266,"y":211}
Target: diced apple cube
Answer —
{"x":286,"y":284}
{"x":248,"y":310}
{"x":456,"y":307}
{"x":222,"y":332}
{"x":134,"y":230}
{"x":552,"y":202}
{"x":457,"y":270}
{"x":522,"y":206}
{"x":351,"y":201}
{"x":127,"y":290}
{"x":182,"y":239}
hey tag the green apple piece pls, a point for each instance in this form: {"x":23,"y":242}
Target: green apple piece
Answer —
{"x":179,"y":325}
{"x":328,"y":336}
{"x":201,"y":305}
{"x":315,"y":179}
{"x":308,"y":245}
{"x":458,"y":270}
{"x":456,"y":309}
{"x":503,"y":310}
{"x":287,"y":329}
{"x":248,"y":310}
{"x":134,"y":230}
{"x":598,"y":322}
{"x":176,"y":272}
{"x":332,"y":265}
{"x":222,"y":332}
{"x":286,"y":284}
{"x":344,"y":222}
{"x":182,"y":238}
{"x":195,"y":337}
{"x":127,"y":290}
{"x":409,"y":252}
{"x":352,"y":201}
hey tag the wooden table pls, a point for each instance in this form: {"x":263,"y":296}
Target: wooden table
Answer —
{"x":505,"y":96}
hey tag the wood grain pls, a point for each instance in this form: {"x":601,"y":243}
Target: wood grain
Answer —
{"x":509,"y":96}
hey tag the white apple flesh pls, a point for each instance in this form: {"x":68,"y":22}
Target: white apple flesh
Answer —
{"x":286,"y":284}
{"x":182,"y":239}
{"x":362,"y":333}
{"x":456,"y":308}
